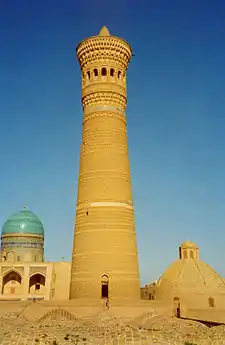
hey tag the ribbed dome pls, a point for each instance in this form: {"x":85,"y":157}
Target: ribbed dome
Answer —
{"x":189,"y":244}
{"x":187,"y":275}
{"x":24,"y":222}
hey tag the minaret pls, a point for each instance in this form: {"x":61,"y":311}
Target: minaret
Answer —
{"x":105,"y":258}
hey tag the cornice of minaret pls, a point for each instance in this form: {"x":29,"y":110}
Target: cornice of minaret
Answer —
{"x":103,"y":46}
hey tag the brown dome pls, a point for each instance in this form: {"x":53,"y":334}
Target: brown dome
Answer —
{"x":189,"y":275}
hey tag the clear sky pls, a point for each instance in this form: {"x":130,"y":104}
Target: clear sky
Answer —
{"x":175,"y":114}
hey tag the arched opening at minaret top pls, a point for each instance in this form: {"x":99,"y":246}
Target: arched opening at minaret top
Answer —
{"x":104,"y":72}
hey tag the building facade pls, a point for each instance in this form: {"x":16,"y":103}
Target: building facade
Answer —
{"x":23,"y":273}
{"x":105,"y":258}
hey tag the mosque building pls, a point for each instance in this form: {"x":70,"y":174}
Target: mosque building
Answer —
{"x":24,"y":274}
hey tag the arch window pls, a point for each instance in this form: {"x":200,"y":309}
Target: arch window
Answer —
{"x":185,"y":254}
{"x":176,"y":301}
{"x":36,"y":283}
{"x":105,"y":287}
{"x":191,"y":254}
{"x":10,"y":256}
{"x":112,"y":72}
{"x":104,"y":72}
{"x":95,"y":72}
{"x":119,"y":74}
{"x":88,"y":75}
{"x":11,"y":281}
{"x":211,"y":302}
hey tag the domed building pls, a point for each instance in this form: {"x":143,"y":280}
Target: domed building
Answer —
{"x":24,"y":274}
{"x":192,"y":287}
{"x":23,"y":238}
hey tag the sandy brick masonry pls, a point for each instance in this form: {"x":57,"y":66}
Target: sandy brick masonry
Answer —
{"x":104,"y":238}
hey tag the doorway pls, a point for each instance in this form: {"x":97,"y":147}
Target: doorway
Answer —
{"x":178,"y":311}
{"x":105,"y":287}
{"x":176,"y":302}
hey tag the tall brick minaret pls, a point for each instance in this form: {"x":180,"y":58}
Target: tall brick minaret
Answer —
{"x":105,"y":258}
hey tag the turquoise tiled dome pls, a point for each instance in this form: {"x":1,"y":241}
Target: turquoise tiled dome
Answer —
{"x":24,"y":222}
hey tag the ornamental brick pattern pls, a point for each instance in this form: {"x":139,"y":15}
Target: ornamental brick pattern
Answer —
{"x":104,"y":238}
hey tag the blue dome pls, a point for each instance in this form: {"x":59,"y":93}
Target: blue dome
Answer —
{"x":23,"y":222}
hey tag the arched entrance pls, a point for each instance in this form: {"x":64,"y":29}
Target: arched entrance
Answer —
{"x":105,"y":287}
{"x":37,"y":284}
{"x":11,"y":283}
{"x":176,"y":304}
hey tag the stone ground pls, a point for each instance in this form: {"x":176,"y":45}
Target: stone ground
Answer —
{"x":63,"y":328}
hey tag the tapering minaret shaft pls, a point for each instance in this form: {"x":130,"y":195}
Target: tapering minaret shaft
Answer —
{"x":105,"y":260}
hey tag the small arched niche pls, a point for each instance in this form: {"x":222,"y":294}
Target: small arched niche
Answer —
{"x":211,"y":302}
{"x":185,"y":254}
{"x":191,"y":253}
{"x":37,"y":284}
{"x":104,"y":72}
{"x":95,"y":72}
{"x":11,"y":257}
{"x":11,"y":283}
{"x":105,"y":286}
{"x":112,"y":72}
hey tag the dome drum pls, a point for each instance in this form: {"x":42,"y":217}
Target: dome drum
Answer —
{"x":25,"y":241}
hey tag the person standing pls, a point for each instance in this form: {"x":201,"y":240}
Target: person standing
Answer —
{"x":107,"y":303}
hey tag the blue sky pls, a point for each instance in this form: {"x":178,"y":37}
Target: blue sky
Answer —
{"x":175,"y":114}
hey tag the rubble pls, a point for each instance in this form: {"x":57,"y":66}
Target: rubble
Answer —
{"x":106,"y":329}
